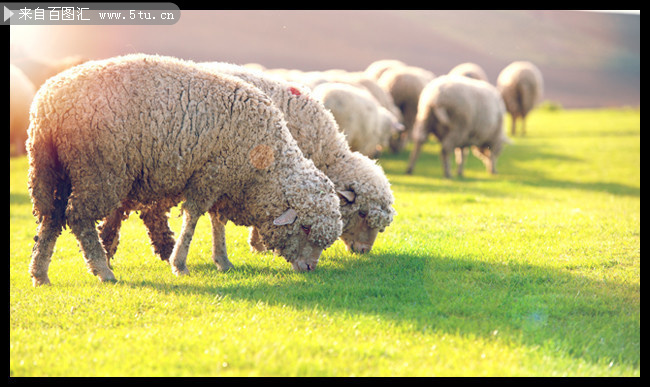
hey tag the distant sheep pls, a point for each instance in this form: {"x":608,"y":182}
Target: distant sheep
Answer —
{"x":460,"y":112}
{"x":21,"y":92}
{"x":470,"y":70}
{"x":521,"y":86}
{"x":362,"y":81}
{"x":142,"y":128}
{"x":367,"y":125}
{"x":378,"y":67}
{"x":404,"y":84}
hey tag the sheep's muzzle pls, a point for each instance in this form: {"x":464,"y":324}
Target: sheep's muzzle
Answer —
{"x":360,"y":237}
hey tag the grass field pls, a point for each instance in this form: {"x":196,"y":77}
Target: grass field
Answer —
{"x":532,"y":272}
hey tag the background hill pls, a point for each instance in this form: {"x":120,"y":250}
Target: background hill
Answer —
{"x":588,"y":59}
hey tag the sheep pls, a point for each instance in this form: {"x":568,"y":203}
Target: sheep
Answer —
{"x":366,"y":198}
{"x":364,"y":191}
{"x":469,"y":69}
{"x":460,"y":112}
{"x":142,"y":128}
{"x":521,"y":86}
{"x":404,"y":84}
{"x":367,"y":125}
{"x":377,"y":68}
{"x":312,"y":79}
{"x":20,"y":98}
{"x":362,"y":81}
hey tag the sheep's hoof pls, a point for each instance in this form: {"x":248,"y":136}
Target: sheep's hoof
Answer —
{"x":223,"y":265}
{"x":40,"y":281}
{"x":107,"y":278}
{"x":180,"y":271}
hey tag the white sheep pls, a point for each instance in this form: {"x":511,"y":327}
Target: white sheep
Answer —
{"x":521,"y":86}
{"x":377,"y":68}
{"x":461,"y":112}
{"x":366,"y":197}
{"x":404,"y":84}
{"x":367,"y":125}
{"x":21,"y":92}
{"x":361,"y":80}
{"x":469,"y":69}
{"x":142,"y":128}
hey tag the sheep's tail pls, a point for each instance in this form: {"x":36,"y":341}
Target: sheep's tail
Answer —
{"x":49,"y":184}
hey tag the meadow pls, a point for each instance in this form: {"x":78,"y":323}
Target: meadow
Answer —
{"x":531,"y":272}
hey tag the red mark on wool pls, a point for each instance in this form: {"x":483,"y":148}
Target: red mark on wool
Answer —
{"x":294,"y":91}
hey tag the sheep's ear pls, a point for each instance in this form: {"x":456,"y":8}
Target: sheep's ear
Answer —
{"x":347,"y":195}
{"x":288,"y":217}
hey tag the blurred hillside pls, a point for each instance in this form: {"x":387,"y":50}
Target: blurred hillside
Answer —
{"x":588,"y":59}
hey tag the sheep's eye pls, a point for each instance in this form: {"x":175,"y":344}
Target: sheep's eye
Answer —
{"x":306,"y":229}
{"x":363,"y":214}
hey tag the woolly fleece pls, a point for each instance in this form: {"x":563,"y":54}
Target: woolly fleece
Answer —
{"x":143,"y":128}
{"x":461,"y":112}
{"x":521,"y":86}
{"x":318,"y":136}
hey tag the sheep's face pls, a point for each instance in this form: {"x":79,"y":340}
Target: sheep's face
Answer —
{"x":296,"y":239}
{"x":311,"y":220}
{"x":359,"y":236}
{"x":362,"y":224}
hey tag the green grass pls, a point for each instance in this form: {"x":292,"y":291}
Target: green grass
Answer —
{"x":532,"y":272}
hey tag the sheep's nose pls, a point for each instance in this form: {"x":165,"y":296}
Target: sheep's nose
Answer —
{"x":361,"y":248}
{"x":304,"y":266}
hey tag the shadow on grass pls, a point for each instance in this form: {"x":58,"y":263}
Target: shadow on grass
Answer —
{"x":597,"y":321}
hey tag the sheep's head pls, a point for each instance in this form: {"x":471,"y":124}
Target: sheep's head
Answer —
{"x":302,"y":253}
{"x":362,"y":223}
{"x":309,"y":224}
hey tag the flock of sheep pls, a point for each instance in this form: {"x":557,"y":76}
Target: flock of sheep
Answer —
{"x":284,"y":152}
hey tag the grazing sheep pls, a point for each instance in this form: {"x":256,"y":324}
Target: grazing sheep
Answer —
{"x":521,"y":86}
{"x":470,"y":70}
{"x":20,"y":98}
{"x":460,"y":112}
{"x":377,"y":68}
{"x":142,"y":128}
{"x":366,"y":198}
{"x":367,"y":125}
{"x":362,"y":81}
{"x":404,"y":84}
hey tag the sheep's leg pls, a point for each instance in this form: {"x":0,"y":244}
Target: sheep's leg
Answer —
{"x":513,"y":128}
{"x":492,"y":156}
{"x":93,"y":251}
{"x":219,"y":251}
{"x":178,"y":258}
{"x":255,"y":241}
{"x":461,"y":156}
{"x":487,"y":157}
{"x":523,"y":125}
{"x":444,"y":156}
{"x":414,"y":155}
{"x":109,"y":232}
{"x":47,"y":234}
{"x":162,"y":237}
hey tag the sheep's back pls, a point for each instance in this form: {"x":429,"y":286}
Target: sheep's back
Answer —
{"x":149,"y":120}
{"x":474,"y":107}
